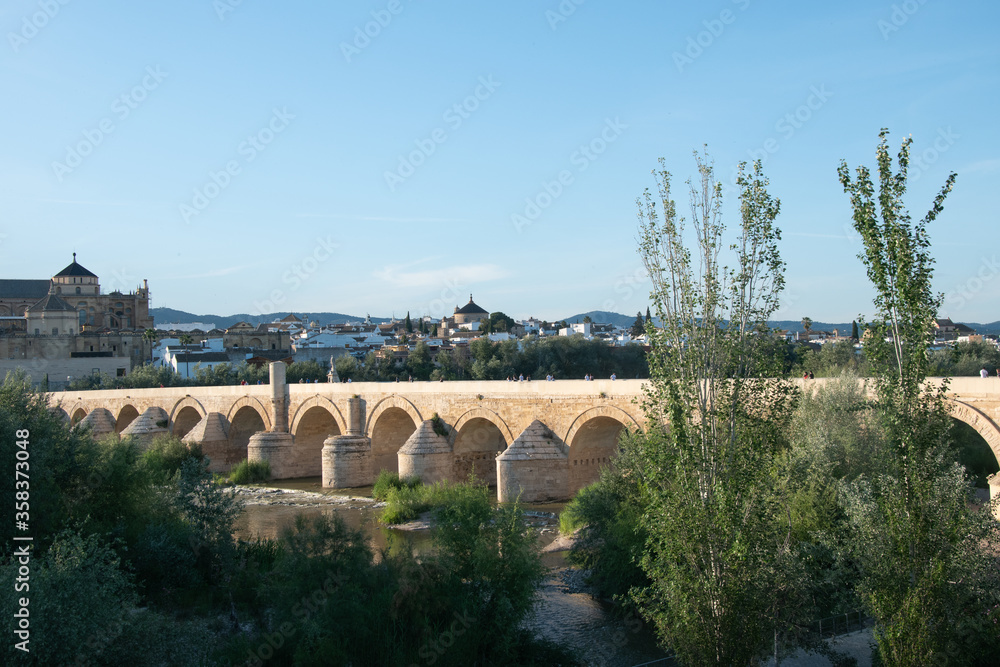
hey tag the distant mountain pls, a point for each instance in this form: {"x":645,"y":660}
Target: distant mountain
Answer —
{"x":163,"y":316}
{"x":601,"y":317}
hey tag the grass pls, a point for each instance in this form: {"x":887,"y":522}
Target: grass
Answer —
{"x":250,"y":472}
{"x":406,"y":503}
{"x":388,"y":480}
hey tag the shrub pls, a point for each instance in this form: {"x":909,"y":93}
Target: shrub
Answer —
{"x":164,"y":457}
{"x":250,"y":472}
{"x":388,"y":480}
{"x":81,"y":601}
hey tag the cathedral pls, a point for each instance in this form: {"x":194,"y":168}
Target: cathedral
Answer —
{"x":52,"y":322}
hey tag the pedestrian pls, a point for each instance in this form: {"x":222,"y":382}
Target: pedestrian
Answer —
{"x":984,"y":373}
{"x":811,"y":376}
{"x":613,"y":377}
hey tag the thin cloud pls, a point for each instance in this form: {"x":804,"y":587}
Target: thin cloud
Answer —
{"x":470,"y":274}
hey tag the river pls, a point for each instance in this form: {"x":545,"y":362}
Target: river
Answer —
{"x":565,"y":611}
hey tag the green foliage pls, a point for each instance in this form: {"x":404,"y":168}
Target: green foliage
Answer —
{"x":611,"y":537}
{"x":164,"y":457}
{"x":388,"y":480}
{"x":78,"y":592}
{"x":250,"y":472}
{"x":724,"y":583}
{"x":305,"y":371}
{"x":347,"y":367}
{"x":973,"y":452}
{"x":925,"y":574}
{"x":964,"y":359}
{"x":209,"y":511}
{"x":418,"y":362}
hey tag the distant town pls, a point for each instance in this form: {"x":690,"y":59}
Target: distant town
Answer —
{"x":65,"y":328}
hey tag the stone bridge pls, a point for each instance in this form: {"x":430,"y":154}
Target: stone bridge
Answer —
{"x":544,"y":440}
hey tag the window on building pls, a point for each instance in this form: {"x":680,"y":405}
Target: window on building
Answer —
{"x":77,"y":290}
{"x":121,"y":372}
{"x":55,"y":331}
{"x":37,"y":332}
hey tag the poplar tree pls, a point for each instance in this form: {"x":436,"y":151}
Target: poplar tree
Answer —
{"x":924,"y":573}
{"x":724,"y":581}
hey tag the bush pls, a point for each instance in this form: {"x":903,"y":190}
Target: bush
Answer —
{"x":388,"y":480}
{"x":81,"y":601}
{"x":164,"y":458}
{"x":250,"y":472}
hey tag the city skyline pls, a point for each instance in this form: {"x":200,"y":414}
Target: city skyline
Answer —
{"x":391,"y":156}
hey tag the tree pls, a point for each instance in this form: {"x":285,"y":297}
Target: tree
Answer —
{"x":717,"y":555}
{"x":924,"y":572}
{"x":409,"y":323}
{"x":638,"y":327}
{"x":807,"y":325}
{"x":185,"y":339}
{"x":587,"y":319}
{"x":854,"y":330}
{"x":149,"y":335}
{"x":648,"y":318}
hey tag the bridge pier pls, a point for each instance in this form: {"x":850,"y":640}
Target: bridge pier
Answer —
{"x":426,"y":455}
{"x":347,"y":459}
{"x":535,"y":468}
{"x":275,"y":446}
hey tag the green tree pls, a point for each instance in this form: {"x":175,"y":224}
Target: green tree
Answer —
{"x":150,"y":337}
{"x":723,"y":578}
{"x":638,"y":327}
{"x":807,"y":324}
{"x":854,"y":330}
{"x":185,"y":339}
{"x":419,"y":362}
{"x":924,"y":572}
{"x":409,"y":324}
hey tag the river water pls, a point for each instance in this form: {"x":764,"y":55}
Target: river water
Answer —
{"x":565,"y":611}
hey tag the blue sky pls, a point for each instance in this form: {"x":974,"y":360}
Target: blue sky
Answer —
{"x":252,"y":156}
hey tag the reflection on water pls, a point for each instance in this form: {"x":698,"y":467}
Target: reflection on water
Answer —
{"x":565,"y":612}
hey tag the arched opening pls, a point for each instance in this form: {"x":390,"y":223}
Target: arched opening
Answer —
{"x":186,"y":419}
{"x":244,"y":424}
{"x":78,"y":415}
{"x":594,"y":446}
{"x":126,"y":416}
{"x":476,"y":447}
{"x":973,"y":452}
{"x":315,"y":426}
{"x":390,"y":432}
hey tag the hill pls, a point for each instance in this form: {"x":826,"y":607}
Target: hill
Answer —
{"x":164,"y":315}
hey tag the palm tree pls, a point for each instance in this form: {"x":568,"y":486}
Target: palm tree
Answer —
{"x":807,"y":325}
{"x":149,"y":335}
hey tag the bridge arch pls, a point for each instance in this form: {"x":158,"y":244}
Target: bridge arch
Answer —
{"x":185,"y":415}
{"x":477,"y":437}
{"x":255,"y":405}
{"x":126,"y":415}
{"x":312,"y":425}
{"x":979,"y":421}
{"x":593,"y":443}
{"x":317,"y":401}
{"x":77,"y":412}
{"x":390,"y":423}
{"x":243,"y":423}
